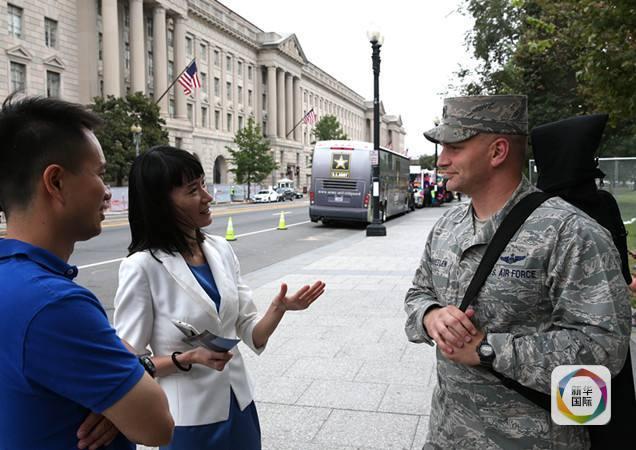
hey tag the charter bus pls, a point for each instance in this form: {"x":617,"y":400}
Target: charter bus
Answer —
{"x":341,"y":187}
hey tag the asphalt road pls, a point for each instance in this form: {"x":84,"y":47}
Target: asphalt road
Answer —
{"x":259,"y":243}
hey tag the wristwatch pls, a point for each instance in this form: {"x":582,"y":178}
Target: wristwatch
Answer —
{"x":486,"y":354}
{"x":147,"y":364}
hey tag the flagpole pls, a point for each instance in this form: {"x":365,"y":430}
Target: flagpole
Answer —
{"x":299,"y":122}
{"x":174,"y":81}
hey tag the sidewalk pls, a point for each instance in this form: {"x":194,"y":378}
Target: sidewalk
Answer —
{"x":342,"y":374}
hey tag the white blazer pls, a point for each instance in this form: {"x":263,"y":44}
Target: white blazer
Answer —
{"x":152,"y":293}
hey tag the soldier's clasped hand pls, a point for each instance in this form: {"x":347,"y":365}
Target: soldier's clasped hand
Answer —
{"x":450,"y":327}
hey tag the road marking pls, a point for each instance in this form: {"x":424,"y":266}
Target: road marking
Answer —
{"x":100,"y":263}
{"x":271,"y":229}
{"x":110,"y":261}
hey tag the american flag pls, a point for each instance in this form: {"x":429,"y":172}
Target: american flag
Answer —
{"x":310,"y":117}
{"x":189,"y":79}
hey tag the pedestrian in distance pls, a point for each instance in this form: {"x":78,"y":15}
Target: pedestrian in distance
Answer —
{"x":67,"y":381}
{"x":175,"y":271}
{"x":556,"y":295}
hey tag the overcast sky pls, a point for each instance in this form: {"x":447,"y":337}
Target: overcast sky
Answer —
{"x":423,"y":46}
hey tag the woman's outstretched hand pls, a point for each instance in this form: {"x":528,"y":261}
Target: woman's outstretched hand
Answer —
{"x":303,"y":297}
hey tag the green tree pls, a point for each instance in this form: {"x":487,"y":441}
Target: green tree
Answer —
{"x":328,"y":128}
{"x":119,"y":114}
{"x":427,"y":162}
{"x":570,"y":57}
{"x":252,"y":160}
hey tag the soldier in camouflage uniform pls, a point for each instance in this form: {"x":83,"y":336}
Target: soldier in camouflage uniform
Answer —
{"x":556,"y":295}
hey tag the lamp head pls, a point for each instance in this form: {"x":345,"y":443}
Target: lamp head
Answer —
{"x":375,"y":37}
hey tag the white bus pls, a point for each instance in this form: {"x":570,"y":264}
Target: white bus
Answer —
{"x":341,"y":187}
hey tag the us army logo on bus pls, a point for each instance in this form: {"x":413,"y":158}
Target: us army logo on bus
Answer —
{"x":340,"y":165}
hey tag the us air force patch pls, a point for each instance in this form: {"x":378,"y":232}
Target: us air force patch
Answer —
{"x":512,"y":258}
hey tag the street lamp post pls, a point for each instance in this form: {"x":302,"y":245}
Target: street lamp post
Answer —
{"x":375,"y":228}
{"x":436,"y":123}
{"x":136,"y":132}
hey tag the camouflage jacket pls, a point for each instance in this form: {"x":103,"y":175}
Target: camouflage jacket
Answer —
{"x":556,"y":296}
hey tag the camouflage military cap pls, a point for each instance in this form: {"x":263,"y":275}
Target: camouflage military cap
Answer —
{"x":465,"y":117}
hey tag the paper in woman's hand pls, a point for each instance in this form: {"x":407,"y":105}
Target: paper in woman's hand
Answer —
{"x":204,"y":339}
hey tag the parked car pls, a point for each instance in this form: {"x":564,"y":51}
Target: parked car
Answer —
{"x":298,"y":194}
{"x":265,"y":196}
{"x":285,"y":194}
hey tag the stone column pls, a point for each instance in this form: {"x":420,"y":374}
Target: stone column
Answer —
{"x":257,"y":94}
{"x":289,"y":105}
{"x":224,"y":102}
{"x":271,"y":101}
{"x":137,"y":60}
{"x":160,"y":57}
{"x":297,"y":109}
{"x":280,"y":103}
{"x":179,"y":64}
{"x":88,"y":52}
{"x":110,"y":25}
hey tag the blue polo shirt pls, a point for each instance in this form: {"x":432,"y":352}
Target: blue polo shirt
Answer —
{"x":59,"y":356}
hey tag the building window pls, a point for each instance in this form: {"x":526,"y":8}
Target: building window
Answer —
{"x":190,"y":112}
{"x":52,"y":84}
{"x":204,"y":117}
{"x":240,"y":95}
{"x":240,"y":122}
{"x":150,"y":66}
{"x":178,"y":142}
{"x":170,"y":37}
{"x":189,"y":48}
{"x":264,"y":102}
{"x":18,"y":77}
{"x":171,"y":107}
{"x":249,"y":97}
{"x":127,"y":56}
{"x":229,"y":122}
{"x":239,"y":69}
{"x":264,"y":128}
{"x":170,"y":71}
{"x":217,"y":119}
{"x":217,"y":58}
{"x":203,"y":52}
{"x":249,"y":73}
{"x":50,"y":33}
{"x":100,"y":46}
{"x":217,"y":87}
{"x":15,"y":21}
{"x":228,"y":86}
{"x":228,"y":63}
{"x":204,"y":82}
{"x":149,"y":25}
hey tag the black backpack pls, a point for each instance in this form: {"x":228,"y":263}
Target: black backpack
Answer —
{"x":564,"y":153}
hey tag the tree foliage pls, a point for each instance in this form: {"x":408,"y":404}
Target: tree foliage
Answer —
{"x":328,"y":128}
{"x":252,"y":160}
{"x":570,"y":57}
{"x":119,"y":114}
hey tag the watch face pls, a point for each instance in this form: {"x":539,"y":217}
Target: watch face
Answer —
{"x":486,"y":350}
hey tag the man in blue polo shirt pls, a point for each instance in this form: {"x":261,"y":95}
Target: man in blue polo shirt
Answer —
{"x":66,"y":379}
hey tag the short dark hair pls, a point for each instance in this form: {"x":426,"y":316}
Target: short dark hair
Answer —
{"x":36,"y":132}
{"x":155,"y":223}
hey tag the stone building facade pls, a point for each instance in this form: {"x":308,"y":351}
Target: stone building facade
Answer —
{"x":80,"y":49}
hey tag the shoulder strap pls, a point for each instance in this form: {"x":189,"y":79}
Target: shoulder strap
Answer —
{"x":511,"y":223}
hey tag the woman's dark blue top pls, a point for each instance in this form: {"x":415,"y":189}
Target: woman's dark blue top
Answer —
{"x":204,"y":276}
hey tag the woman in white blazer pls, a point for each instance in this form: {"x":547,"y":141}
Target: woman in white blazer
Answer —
{"x":176,"y":272}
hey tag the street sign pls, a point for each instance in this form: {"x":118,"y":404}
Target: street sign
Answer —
{"x":374,"y":157}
